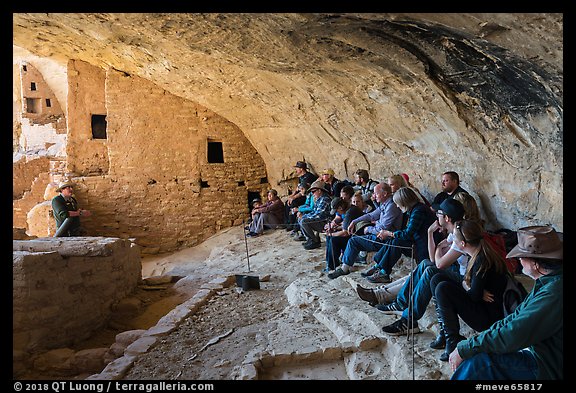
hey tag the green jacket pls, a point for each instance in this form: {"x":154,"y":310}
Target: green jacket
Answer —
{"x":536,"y":324}
{"x":60,"y":209}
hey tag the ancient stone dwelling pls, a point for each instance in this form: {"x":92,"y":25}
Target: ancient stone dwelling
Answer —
{"x":169,"y":124}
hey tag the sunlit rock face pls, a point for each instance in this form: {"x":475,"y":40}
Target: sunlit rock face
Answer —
{"x":479,"y":94}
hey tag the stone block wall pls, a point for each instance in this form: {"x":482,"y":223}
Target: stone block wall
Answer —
{"x":43,"y":120}
{"x":86,"y":155}
{"x":24,"y":171}
{"x":64,"y":289}
{"x":160,"y":188}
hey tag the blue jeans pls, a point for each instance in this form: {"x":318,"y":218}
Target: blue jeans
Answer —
{"x":356,"y":244}
{"x":387,"y":256}
{"x":335,"y":245}
{"x":422,"y":293}
{"x":515,"y":366}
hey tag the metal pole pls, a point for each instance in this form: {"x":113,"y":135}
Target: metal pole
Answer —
{"x":246,"y":242}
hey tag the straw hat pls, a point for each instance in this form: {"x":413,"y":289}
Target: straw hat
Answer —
{"x":64,"y":184}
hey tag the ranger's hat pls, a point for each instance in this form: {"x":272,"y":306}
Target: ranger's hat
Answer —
{"x":538,"y":242}
{"x":64,"y":184}
{"x":318,"y":184}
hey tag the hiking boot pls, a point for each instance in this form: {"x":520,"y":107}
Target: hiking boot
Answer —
{"x":392,"y":308}
{"x":400,"y":327}
{"x":337,"y":273}
{"x":379,"y":277}
{"x":369,"y":272}
{"x":367,"y":294}
{"x":253,"y":234}
{"x":300,"y":238}
{"x":439,"y":342}
{"x":312,"y":245}
{"x":451,"y":343}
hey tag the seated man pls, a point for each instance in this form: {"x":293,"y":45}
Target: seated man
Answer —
{"x":527,"y":344}
{"x":387,"y":216}
{"x":365,"y":185}
{"x":268,"y":215}
{"x":296,"y":198}
{"x":66,"y":212}
{"x":312,"y":223}
{"x":450,"y":187}
{"x":292,"y":223}
{"x":333,"y":185}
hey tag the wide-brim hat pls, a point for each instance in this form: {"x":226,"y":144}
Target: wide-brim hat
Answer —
{"x":318,"y":184}
{"x":64,"y":184}
{"x":538,"y":242}
{"x":301,"y":164}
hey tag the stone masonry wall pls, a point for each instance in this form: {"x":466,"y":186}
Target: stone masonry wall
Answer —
{"x":86,"y":97}
{"x":160,"y":189}
{"x":64,"y":289}
{"x":24,"y":171}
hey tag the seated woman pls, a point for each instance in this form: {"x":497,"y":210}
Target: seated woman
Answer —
{"x":359,"y":202}
{"x":478,"y":299}
{"x":420,"y":217}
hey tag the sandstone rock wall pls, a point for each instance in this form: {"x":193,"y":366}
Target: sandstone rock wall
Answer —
{"x":64,"y":289}
{"x":480,"y":94}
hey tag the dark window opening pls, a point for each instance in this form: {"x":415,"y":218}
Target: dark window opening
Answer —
{"x":241,"y":183}
{"x":215,"y":152}
{"x":48,"y":103}
{"x":33,"y":105}
{"x":33,"y":86}
{"x":24,"y":68}
{"x":99,"y":127}
{"x":204,"y":184}
{"x":263,"y":180}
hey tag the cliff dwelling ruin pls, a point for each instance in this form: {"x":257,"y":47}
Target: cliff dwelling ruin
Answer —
{"x":170,"y":124}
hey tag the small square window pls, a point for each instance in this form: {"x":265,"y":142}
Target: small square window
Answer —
{"x":99,"y":127}
{"x":215,"y":152}
{"x":33,"y":86}
{"x":33,"y":105}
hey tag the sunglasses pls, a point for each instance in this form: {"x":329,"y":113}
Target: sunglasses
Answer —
{"x":459,"y":227}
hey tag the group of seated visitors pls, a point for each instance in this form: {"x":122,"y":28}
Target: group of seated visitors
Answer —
{"x":457,"y":269}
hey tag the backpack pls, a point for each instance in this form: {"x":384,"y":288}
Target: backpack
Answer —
{"x":498,"y":242}
{"x":514,"y":294}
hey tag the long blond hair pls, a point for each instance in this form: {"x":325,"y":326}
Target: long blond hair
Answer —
{"x":471,"y":210}
{"x":472,"y":233}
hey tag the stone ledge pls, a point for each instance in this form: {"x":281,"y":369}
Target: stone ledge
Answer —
{"x":72,"y":246}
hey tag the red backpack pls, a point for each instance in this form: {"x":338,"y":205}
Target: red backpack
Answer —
{"x":497,"y":242}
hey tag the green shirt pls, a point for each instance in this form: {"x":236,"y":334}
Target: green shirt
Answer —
{"x":536,"y":324}
{"x":60,"y":209}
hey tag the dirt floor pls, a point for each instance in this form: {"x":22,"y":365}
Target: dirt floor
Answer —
{"x":298,"y":325}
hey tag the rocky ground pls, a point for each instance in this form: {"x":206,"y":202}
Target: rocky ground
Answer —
{"x":298,"y":325}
